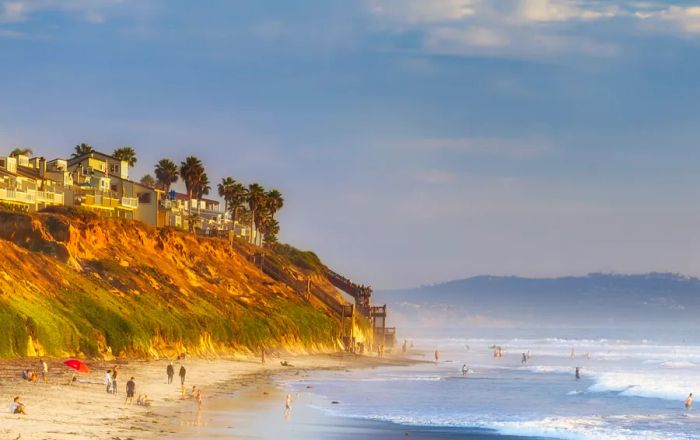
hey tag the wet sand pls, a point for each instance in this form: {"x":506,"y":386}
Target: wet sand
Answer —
{"x":258,"y":412}
{"x":59,"y":411}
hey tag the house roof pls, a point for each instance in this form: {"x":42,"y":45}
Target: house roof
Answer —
{"x":76,"y":159}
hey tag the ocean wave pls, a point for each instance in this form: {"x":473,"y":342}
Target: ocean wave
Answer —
{"x":647,"y":385}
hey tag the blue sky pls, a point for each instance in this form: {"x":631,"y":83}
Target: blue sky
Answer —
{"x":415,"y":140}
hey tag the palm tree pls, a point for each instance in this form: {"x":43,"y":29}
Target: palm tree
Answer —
{"x":202,"y":188}
{"x":127,"y":154}
{"x":191,"y":171}
{"x":256,"y":202}
{"x":223,"y":189}
{"x":166,"y":174}
{"x":21,"y":152}
{"x":148,"y":180}
{"x":274,"y":201}
{"x":236,"y":196}
{"x":82,"y":149}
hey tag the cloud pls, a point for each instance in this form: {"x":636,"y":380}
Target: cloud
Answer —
{"x":420,"y":11}
{"x":563,"y":10}
{"x":531,"y":28}
{"x":92,"y":11}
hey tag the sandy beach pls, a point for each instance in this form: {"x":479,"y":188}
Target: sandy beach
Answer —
{"x":84,"y":410}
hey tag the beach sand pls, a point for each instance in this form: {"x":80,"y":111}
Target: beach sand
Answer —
{"x":59,"y":411}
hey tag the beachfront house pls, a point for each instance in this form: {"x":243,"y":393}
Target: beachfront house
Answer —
{"x":101,"y":185}
{"x":25,"y":185}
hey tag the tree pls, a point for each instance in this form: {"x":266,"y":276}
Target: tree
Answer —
{"x":148,"y":180}
{"x":166,"y":174}
{"x":256,"y":202}
{"x":236,"y":196}
{"x":223,"y":188}
{"x":270,"y":229}
{"x":127,"y":154}
{"x":21,"y":152}
{"x":201,"y":188}
{"x":82,"y":149}
{"x":274,"y":201}
{"x":191,"y":171}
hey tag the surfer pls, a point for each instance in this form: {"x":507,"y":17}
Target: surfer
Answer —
{"x":689,"y":401}
{"x":578,"y":373}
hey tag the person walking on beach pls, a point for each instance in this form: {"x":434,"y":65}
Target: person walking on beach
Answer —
{"x":288,"y":405}
{"x":108,"y":381}
{"x":465,"y":370}
{"x":689,"y":401}
{"x":199,"y":398}
{"x":115,"y":371}
{"x":524,"y":359}
{"x":44,"y":371}
{"x":170,"y":371}
{"x":182,"y":373}
{"x":130,"y":390}
{"x":437,"y":356}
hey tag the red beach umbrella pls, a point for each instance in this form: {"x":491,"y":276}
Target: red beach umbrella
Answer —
{"x":77,"y":365}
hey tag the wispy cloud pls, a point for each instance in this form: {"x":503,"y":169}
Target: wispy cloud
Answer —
{"x":531,"y":28}
{"x":93,"y":11}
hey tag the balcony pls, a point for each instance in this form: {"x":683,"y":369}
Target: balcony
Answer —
{"x":129,"y":202}
{"x":100,"y":201}
{"x":14,"y":195}
{"x":49,"y":197}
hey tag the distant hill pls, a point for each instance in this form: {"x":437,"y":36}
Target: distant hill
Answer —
{"x":596,"y":299}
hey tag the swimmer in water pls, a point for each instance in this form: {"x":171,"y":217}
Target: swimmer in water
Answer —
{"x":578,"y":373}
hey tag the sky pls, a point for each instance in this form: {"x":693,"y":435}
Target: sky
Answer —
{"x":415,"y":141}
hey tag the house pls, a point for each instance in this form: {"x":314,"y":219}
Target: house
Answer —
{"x":100,"y":184}
{"x":25,"y":184}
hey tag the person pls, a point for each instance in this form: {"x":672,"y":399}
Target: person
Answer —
{"x":108,"y":381}
{"x":465,"y":370}
{"x":437,"y":356}
{"x":17,"y":407}
{"x":44,"y":370}
{"x":170,"y":371}
{"x":578,"y":373}
{"x":114,"y":379}
{"x":183,"y":372}
{"x":262,"y":355}
{"x":130,"y":389}
{"x":524,"y":359}
{"x":199,"y":398}
{"x":288,"y":405}
{"x":689,"y":401}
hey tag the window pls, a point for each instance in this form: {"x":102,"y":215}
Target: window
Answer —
{"x":2,"y":163}
{"x":145,"y":197}
{"x":114,"y":188}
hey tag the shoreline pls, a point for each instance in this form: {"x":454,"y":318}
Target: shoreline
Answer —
{"x":257,"y":411}
{"x":59,"y":411}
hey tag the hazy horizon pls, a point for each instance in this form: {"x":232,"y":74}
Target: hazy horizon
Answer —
{"x":414,"y":141}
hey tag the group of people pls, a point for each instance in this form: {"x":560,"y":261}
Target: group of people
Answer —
{"x":32,"y":376}
{"x":110,"y":380}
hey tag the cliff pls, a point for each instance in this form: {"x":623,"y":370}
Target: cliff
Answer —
{"x":75,"y":284}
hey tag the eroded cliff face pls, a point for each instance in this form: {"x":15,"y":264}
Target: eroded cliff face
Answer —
{"x":74,"y":284}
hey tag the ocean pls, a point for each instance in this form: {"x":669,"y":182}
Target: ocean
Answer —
{"x":628,"y":388}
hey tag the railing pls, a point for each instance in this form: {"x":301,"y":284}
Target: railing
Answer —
{"x":100,"y":200}
{"x":18,"y":196}
{"x":49,"y":197}
{"x":130,"y":202}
